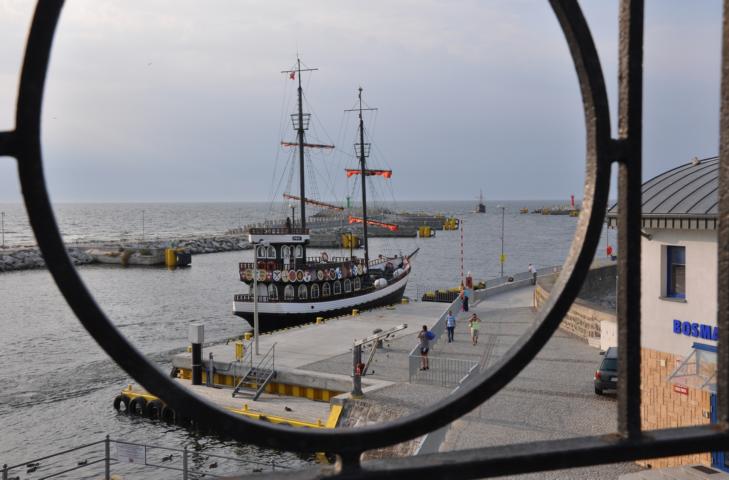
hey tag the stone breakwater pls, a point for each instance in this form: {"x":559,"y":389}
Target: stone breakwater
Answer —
{"x":30,"y":258}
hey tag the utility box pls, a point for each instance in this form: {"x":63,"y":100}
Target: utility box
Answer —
{"x":197,"y":333}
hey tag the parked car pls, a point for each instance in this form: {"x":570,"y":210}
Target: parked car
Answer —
{"x":606,"y":376}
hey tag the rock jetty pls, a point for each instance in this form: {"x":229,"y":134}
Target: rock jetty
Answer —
{"x":26,"y":258}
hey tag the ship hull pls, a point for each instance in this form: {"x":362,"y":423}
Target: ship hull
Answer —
{"x":277,"y":315}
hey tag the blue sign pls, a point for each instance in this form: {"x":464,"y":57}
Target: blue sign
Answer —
{"x":700,"y":330}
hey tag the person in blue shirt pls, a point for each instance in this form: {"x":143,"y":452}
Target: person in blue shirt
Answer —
{"x":451,"y":326}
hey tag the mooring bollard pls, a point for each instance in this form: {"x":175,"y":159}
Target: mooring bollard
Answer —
{"x":184,"y":463}
{"x":196,"y":336}
{"x":5,"y":471}
{"x":107,"y":459}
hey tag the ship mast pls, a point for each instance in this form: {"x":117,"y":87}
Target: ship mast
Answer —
{"x":300,"y":122}
{"x":362,"y":150}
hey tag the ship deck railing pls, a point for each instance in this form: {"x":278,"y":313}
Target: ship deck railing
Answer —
{"x":311,"y":262}
{"x":278,"y":231}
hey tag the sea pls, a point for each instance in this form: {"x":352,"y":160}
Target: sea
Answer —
{"x":57,"y":385}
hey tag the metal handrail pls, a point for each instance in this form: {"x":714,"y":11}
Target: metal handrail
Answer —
{"x":109,"y":460}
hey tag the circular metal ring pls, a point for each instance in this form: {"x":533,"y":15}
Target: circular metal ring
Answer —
{"x":24,"y":144}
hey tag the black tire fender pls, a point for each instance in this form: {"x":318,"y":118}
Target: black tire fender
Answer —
{"x":153,"y":409}
{"x":137,"y":406}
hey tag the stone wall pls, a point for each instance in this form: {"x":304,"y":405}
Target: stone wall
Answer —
{"x":662,"y":407}
{"x":28,"y":258}
{"x":585,"y":316}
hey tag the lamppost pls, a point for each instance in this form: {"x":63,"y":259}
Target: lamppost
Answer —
{"x":292,"y":206}
{"x":502,"y":258}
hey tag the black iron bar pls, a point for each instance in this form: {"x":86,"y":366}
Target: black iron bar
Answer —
{"x":628,"y":152}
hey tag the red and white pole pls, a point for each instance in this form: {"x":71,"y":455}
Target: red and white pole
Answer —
{"x":462,"y":276}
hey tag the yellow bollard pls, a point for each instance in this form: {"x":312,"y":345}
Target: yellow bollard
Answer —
{"x":319,"y":320}
{"x":405,"y":300}
{"x":240,"y":350}
{"x":355,"y":312}
{"x":170,"y":257}
{"x":248,"y":336}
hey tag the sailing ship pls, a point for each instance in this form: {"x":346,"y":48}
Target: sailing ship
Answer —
{"x":287,"y":287}
{"x":481,"y":206}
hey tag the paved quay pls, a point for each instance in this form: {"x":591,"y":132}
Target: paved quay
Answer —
{"x":552,"y":398}
{"x":298,"y":347}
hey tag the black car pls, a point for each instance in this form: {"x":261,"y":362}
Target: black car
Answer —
{"x":606,"y":376}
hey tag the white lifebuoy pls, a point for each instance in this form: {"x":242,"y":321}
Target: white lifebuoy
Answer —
{"x":307,"y":276}
{"x":320,"y":275}
{"x":324,"y":256}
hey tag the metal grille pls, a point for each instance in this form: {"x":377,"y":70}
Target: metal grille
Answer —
{"x":628,"y":443}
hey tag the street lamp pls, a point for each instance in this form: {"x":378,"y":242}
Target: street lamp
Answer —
{"x":502,"y":258}
{"x":292,"y":206}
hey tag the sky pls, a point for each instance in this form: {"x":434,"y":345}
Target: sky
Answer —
{"x":178,"y":100}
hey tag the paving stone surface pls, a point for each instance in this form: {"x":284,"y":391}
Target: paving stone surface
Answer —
{"x":552,"y":398}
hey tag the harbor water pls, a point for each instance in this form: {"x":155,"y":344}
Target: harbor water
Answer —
{"x":58,"y":386}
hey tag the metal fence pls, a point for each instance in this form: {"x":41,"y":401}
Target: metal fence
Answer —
{"x":110,"y":453}
{"x":604,"y":148}
{"x":444,"y":372}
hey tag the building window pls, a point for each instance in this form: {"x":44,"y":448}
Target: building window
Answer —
{"x":289,"y":292}
{"x":325,"y":290}
{"x":285,"y":253}
{"x":303,"y":294}
{"x":272,"y":252}
{"x":347,"y":286}
{"x":298,"y":251}
{"x":261,"y":251}
{"x":272,"y":292}
{"x":315,"y":291}
{"x":337,"y":287}
{"x":357,"y":283}
{"x":676,"y":272}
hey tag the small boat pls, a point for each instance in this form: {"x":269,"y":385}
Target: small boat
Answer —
{"x":129,"y":256}
{"x":287,"y":287}
{"x":481,"y":206}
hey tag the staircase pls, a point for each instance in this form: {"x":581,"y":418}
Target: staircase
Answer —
{"x":257,"y":377}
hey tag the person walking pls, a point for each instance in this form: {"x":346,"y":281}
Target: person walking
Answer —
{"x":424,"y":337}
{"x":533,"y":272}
{"x":451,"y":325}
{"x":464,"y":300}
{"x":475,"y":324}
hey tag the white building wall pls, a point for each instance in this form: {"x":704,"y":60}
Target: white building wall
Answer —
{"x":658,"y":313}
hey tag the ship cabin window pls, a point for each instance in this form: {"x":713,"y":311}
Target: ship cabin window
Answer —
{"x":261,"y":251}
{"x":315,"y":291}
{"x":285,"y":252}
{"x":272,"y":292}
{"x":303,"y":293}
{"x":289,"y":292}
{"x":347,"y":285}
{"x":298,"y":251}
{"x":271,"y":251}
{"x":357,"y":284}
{"x":337,"y":287}
{"x":325,"y":290}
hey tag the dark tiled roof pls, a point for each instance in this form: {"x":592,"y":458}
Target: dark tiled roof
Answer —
{"x":690,"y":190}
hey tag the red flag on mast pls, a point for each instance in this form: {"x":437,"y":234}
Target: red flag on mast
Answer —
{"x":292,"y":75}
